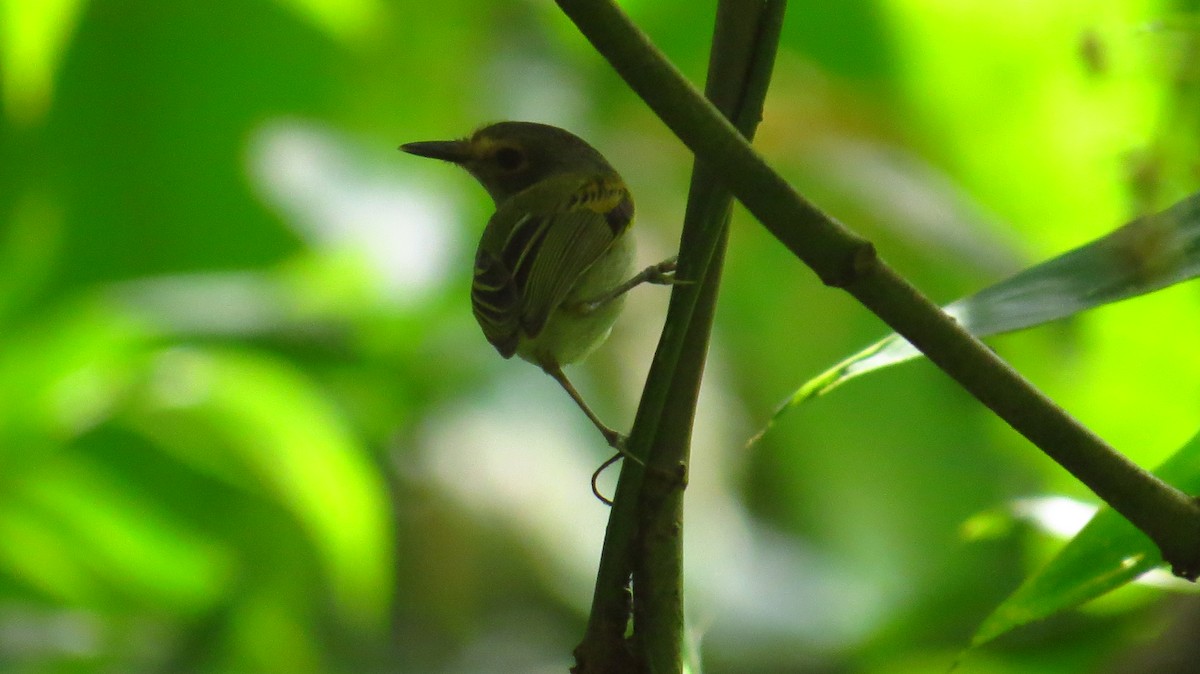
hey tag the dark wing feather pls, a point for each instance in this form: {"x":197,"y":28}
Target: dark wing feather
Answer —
{"x":536,"y":247}
{"x":495,"y":301}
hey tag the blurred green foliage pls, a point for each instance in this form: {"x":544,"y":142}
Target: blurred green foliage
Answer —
{"x":248,"y":425}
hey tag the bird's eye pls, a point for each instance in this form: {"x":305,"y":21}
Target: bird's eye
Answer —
{"x":509,"y":158}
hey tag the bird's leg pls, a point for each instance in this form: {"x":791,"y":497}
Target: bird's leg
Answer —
{"x":662,"y":273}
{"x":615,"y":439}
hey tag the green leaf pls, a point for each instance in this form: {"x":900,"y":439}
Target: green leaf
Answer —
{"x":63,"y":371}
{"x":1108,"y":553}
{"x":343,"y":19}
{"x":256,"y":421}
{"x":1145,"y":255}
{"x":73,"y":533}
{"x":79,"y":536}
{"x":33,"y":38}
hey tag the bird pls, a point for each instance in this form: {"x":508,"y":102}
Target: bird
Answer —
{"x":557,"y":257}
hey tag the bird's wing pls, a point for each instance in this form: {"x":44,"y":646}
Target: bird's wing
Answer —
{"x":496,"y":301}
{"x":536,"y":247}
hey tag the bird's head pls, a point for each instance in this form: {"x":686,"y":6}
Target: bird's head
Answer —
{"x":508,"y":157}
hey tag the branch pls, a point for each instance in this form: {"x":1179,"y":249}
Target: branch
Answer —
{"x":739,"y":74}
{"x":843,"y":259}
{"x":644,"y":536}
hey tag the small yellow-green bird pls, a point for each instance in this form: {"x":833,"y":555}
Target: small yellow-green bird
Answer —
{"x":556,"y":258}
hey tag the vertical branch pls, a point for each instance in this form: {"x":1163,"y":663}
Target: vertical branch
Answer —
{"x":645,"y":532}
{"x":743,"y":54}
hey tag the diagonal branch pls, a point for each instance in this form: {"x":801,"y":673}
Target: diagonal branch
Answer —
{"x":843,"y":259}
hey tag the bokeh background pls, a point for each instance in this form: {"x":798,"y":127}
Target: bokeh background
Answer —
{"x":247,"y":423}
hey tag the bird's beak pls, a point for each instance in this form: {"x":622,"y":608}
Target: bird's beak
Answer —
{"x":456,"y":151}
